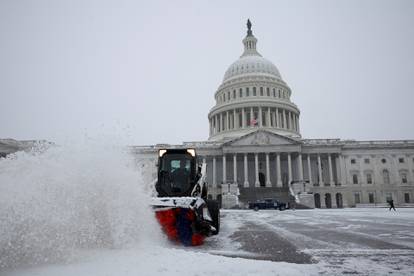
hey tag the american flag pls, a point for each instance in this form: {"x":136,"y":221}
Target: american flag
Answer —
{"x":253,"y":122}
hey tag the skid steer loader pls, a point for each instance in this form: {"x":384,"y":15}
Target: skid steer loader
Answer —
{"x":182,"y":207}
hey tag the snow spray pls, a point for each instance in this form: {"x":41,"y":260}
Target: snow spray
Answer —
{"x":59,"y":200}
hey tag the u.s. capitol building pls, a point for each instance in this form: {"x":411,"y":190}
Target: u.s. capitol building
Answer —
{"x":255,"y":147}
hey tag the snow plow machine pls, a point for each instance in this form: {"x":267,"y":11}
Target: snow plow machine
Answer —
{"x":181,"y":206}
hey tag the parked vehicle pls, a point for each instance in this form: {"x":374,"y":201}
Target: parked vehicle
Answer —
{"x":267,"y":204}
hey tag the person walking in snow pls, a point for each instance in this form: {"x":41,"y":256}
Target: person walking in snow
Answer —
{"x":391,"y":203}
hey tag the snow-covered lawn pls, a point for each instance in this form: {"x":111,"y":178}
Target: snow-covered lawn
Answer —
{"x":343,"y":241}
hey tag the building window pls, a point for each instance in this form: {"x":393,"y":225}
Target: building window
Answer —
{"x":247,"y":91}
{"x":240,"y":93}
{"x":228,"y":96}
{"x":357,"y":198}
{"x":279,"y":93}
{"x":261,"y":91}
{"x":401,"y":160}
{"x":355,"y":178}
{"x":369,"y":178}
{"x":254,"y":91}
{"x":388,"y":197}
{"x":353,"y":161}
{"x":383,"y":160}
{"x":386,"y":176}
{"x":234,"y":94}
{"x":406,"y":197}
{"x":366,"y":160}
{"x":268,"y":91}
{"x":274,"y":92}
{"x":371,"y":197}
{"x":404,"y":177}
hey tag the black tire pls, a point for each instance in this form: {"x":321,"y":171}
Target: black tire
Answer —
{"x":213,"y":208}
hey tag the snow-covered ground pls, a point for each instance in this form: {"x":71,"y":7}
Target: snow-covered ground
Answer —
{"x":346,"y":241}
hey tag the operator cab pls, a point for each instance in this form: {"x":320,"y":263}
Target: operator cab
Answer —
{"x":177,"y":172}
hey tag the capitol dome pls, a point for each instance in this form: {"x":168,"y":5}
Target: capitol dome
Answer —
{"x":251,"y":65}
{"x":252,"y":96}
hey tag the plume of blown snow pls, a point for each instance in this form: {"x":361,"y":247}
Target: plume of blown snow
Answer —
{"x":58,"y":200}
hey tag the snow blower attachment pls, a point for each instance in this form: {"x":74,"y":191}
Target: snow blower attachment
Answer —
{"x":182,"y":207}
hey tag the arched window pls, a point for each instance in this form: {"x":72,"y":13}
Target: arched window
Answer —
{"x":261,"y":91}
{"x":355,"y":178}
{"x":240,"y":92}
{"x":247,"y":92}
{"x":268,"y":91}
{"x":254,"y":91}
{"x":386,"y":176}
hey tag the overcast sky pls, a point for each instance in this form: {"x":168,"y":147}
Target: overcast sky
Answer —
{"x":149,"y":70}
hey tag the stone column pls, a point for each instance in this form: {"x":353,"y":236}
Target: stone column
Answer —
{"x":269,"y":121}
{"x":284,"y":119}
{"x":256,"y":170}
{"x":289,"y":169}
{"x":260,"y":117}
{"x":251,"y":116}
{"x":221,"y":121}
{"x":214,"y":173}
{"x":224,"y":169}
{"x":309,"y":170}
{"x":274,"y":119}
{"x":268,"y":183}
{"x":235,"y":168}
{"x":278,"y":171}
{"x":243,"y":118}
{"x":300,"y":167}
{"x":294,"y":122}
{"x":331,"y":182}
{"x":246,"y":175}
{"x":227,"y":121}
{"x":320,"y":171}
{"x":290,"y":120}
{"x":277,"y":118}
{"x":215,"y":124}
{"x":344,"y":170}
{"x":235,"y":119}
